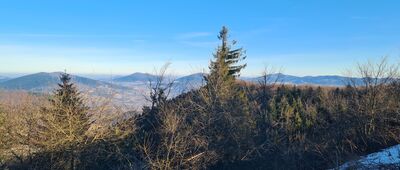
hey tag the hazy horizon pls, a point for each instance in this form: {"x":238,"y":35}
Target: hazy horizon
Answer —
{"x":112,"y":76}
{"x":105,"y":38}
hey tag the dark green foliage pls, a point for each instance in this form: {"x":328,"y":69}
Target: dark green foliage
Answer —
{"x":226,"y":58}
{"x":229,"y":120}
{"x":226,"y":124}
{"x":64,"y":126}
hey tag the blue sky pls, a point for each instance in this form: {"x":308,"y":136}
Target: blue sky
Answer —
{"x":121,"y":37}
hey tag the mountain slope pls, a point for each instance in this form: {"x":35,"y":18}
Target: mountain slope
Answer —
{"x":187,"y":83}
{"x":44,"y":82}
{"x":308,"y":80}
{"x":137,"y":77}
{"x":198,"y":79}
{"x":193,"y":78}
{"x":3,"y":79}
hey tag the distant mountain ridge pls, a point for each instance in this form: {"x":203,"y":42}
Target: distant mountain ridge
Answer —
{"x":137,"y":77}
{"x":197,"y":78}
{"x":44,"y":81}
{"x":331,"y":80}
{"x":187,"y":83}
{"x":130,"y":90}
{"x":3,"y":79}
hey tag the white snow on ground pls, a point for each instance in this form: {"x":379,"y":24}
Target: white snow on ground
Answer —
{"x":386,"y":157}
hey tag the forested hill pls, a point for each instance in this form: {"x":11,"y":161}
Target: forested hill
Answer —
{"x":223,"y":123}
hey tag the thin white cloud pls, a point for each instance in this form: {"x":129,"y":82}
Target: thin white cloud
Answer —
{"x":193,"y":35}
{"x":197,"y":39}
{"x":46,"y":35}
{"x":208,"y":44}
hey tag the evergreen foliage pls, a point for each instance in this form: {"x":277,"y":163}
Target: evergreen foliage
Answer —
{"x":230,"y":122}
{"x":64,"y":125}
{"x":226,"y":124}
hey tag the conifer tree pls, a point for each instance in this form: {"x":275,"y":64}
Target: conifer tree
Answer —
{"x":229,"y":119}
{"x":226,"y":57}
{"x":224,"y":69}
{"x":65,"y":123}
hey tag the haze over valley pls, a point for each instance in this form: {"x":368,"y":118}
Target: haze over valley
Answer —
{"x":171,"y":85}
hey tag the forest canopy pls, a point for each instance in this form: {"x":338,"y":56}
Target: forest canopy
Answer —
{"x":227,"y":123}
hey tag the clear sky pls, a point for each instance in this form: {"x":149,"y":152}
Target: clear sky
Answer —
{"x":304,"y":37}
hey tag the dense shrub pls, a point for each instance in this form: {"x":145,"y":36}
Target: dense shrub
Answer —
{"x":226,"y":124}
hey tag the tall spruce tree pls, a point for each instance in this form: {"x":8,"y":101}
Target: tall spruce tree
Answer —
{"x":226,"y":58}
{"x":224,"y":68}
{"x":65,"y":123}
{"x":230,"y":122}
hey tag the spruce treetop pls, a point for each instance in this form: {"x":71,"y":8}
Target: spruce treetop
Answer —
{"x":226,"y":61}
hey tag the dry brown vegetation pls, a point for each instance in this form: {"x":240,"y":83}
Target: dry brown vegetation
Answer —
{"x":225,"y":124}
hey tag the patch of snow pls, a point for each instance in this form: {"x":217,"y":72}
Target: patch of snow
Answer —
{"x":386,"y":157}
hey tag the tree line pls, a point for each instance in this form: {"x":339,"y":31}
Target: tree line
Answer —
{"x":225,"y":124}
